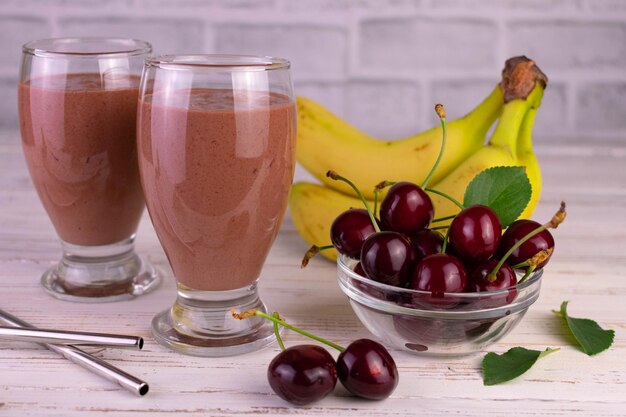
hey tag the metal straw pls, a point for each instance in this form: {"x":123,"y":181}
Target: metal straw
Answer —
{"x":62,"y":337}
{"x":91,"y":363}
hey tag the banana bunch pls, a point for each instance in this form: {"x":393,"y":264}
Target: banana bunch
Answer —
{"x":326,"y":142}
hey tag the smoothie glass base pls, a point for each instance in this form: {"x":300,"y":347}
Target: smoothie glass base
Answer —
{"x":200,"y":323}
{"x":99,"y":274}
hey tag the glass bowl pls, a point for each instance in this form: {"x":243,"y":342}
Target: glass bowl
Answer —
{"x":445,"y":324}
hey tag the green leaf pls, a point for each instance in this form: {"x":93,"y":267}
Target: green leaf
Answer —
{"x":592,"y":338}
{"x":505,"y":189}
{"x":507,"y":366}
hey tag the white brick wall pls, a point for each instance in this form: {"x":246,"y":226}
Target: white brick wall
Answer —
{"x":382,"y":64}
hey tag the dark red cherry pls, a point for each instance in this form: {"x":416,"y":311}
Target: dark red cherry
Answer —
{"x":516,"y":231}
{"x":387,"y":257}
{"x":475,"y":233}
{"x":439,"y":273}
{"x":505,"y":279}
{"x":406,"y":208}
{"x":302,"y":374}
{"x":358,"y":269}
{"x":426,"y":242}
{"x":349,"y":230}
{"x":367,"y":369}
{"x":366,"y":287}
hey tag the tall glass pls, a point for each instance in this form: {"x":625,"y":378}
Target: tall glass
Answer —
{"x":78,"y":107}
{"x":216,"y":141}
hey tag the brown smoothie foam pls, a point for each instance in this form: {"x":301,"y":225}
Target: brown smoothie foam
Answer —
{"x":216,"y":172}
{"x":79,"y":141}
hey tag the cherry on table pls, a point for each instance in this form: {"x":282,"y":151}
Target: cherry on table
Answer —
{"x":475,"y":233}
{"x":302,"y":374}
{"x":387,"y":257}
{"x":406,"y":208}
{"x":367,"y":369}
{"x":349,"y":230}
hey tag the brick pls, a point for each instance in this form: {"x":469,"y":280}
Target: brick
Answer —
{"x":386,"y":109}
{"x":14,"y":32}
{"x":330,"y":95}
{"x":173,"y":36}
{"x":316,"y":52}
{"x":50,"y":5}
{"x":338,"y":5}
{"x":538,"y":6}
{"x":427,"y":44}
{"x":601,"y":107}
{"x":552,"y":116}
{"x":459,"y":97}
{"x":606,"y":5}
{"x":8,"y":104}
{"x":570,"y":46}
{"x":227,"y":4}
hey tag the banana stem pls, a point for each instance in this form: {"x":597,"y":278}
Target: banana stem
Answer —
{"x":333,"y":175}
{"x":441,"y":112}
{"x":459,"y":205}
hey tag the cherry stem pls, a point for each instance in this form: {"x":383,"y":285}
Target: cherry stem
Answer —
{"x":529,"y":271}
{"x":277,"y":333}
{"x":439,"y":227}
{"x":377,"y":189}
{"x":459,"y":205}
{"x":333,"y":175}
{"x":313,"y":250}
{"x":441,"y":112}
{"x":277,"y":321}
{"x":444,"y":246}
{"x":520,"y":265}
{"x":441,"y":219}
{"x":556,"y":220}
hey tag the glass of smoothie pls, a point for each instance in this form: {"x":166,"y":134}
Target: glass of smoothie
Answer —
{"x":77,"y":101}
{"x":216,"y":143}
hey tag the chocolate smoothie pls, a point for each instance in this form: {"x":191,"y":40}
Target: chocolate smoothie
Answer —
{"x":216,"y":171}
{"x":78,"y":135}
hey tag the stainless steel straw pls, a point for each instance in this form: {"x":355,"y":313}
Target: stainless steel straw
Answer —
{"x":91,"y":363}
{"x":62,"y":337}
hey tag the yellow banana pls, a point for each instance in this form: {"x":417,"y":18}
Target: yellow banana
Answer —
{"x":526,"y":157}
{"x":501,"y":151}
{"x":327,"y":142}
{"x":313,"y":209}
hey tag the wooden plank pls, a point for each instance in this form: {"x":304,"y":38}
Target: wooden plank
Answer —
{"x":587,"y":269}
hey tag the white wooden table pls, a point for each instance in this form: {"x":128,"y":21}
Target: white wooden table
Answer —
{"x":588,"y":268}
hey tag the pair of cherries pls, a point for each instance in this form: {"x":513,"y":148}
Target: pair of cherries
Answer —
{"x":304,"y":374}
{"x":408,"y":254}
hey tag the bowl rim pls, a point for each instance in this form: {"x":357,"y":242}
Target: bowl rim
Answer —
{"x":520,"y":303}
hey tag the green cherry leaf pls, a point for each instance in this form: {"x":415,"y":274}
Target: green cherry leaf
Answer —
{"x":511,"y":364}
{"x":506,"y":189}
{"x":592,"y":338}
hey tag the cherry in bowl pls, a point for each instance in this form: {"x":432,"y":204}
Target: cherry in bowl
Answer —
{"x":469,"y":325}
